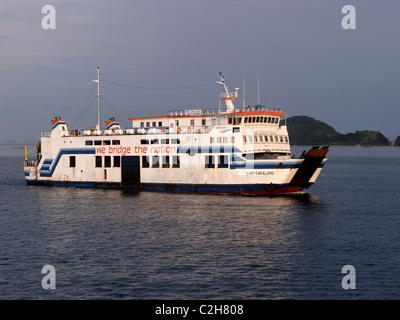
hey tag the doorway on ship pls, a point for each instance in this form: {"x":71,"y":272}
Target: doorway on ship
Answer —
{"x":130,"y":171}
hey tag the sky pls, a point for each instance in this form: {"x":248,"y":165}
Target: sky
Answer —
{"x":161,"y":55}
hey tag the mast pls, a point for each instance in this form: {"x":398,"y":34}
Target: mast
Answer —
{"x":228,"y":96}
{"x":98,"y":98}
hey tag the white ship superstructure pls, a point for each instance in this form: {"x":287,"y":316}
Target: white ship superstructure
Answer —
{"x":226,"y":150}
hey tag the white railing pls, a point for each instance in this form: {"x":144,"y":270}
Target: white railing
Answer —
{"x":228,"y":95}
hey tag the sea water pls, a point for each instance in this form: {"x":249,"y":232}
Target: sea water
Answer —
{"x":113,"y":244}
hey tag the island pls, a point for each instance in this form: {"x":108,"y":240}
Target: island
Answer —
{"x":304,"y":130}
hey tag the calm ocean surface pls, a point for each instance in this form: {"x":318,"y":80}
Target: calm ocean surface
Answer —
{"x":110,"y":244}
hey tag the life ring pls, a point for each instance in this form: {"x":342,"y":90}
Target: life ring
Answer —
{"x":178,"y":130}
{"x":189,"y":130}
{"x":162,"y":130}
{"x":206,"y":129}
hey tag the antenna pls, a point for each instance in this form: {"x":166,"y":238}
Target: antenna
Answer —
{"x":98,"y":97}
{"x":258,"y":83}
{"x":244,"y":88}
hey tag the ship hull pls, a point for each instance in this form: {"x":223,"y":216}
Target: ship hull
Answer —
{"x":239,"y":189}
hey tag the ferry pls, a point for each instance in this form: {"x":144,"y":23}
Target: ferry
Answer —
{"x":227,"y":150}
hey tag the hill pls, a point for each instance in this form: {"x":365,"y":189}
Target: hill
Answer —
{"x":397,"y":142}
{"x":305,"y":130}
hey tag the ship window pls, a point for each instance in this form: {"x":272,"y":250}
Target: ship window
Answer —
{"x":225,"y":139}
{"x":255,"y":139}
{"x":236,"y":129}
{"x":116,"y":142}
{"x":223,"y":161}
{"x":154,"y":123}
{"x":249,"y":139}
{"x":265,"y":119}
{"x":286,"y":139}
{"x":281,"y":138}
{"x":176,"y":163}
{"x":229,"y":120}
{"x":271,"y":138}
{"x":209,"y":162}
{"x":148,"y":124}
{"x":154,"y":141}
{"x":192,"y":122}
{"x":233,"y":139}
{"x":177,"y":123}
{"x":165,"y":161}
{"x":97,"y":142}
{"x":245,"y":120}
{"x":212,"y":140}
{"x":258,"y":119}
{"x":276,"y":139}
{"x":98,"y":162}
{"x":266,"y":138}
{"x":142,"y":124}
{"x":239,"y":120}
{"x":155,"y":162}
{"x":164,"y":141}
{"x":254,"y":119}
{"x":144,"y":141}
{"x":106,"y":142}
{"x":160,"y":123}
{"x":218,"y":139}
{"x":175,"y":141}
{"x":117,"y":161}
{"x":203,"y":122}
{"x":276,"y":120}
{"x":213,"y":121}
{"x":244,"y":139}
{"x":72,"y":161}
{"x":88,"y":142}
{"x":107,"y":161}
{"x":269,"y":119}
{"x":261,"y":138}
{"x":145,"y":162}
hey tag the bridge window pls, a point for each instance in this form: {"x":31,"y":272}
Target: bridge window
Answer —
{"x":97,"y":142}
{"x":245,"y":120}
{"x":116,"y":142}
{"x":88,"y":142}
